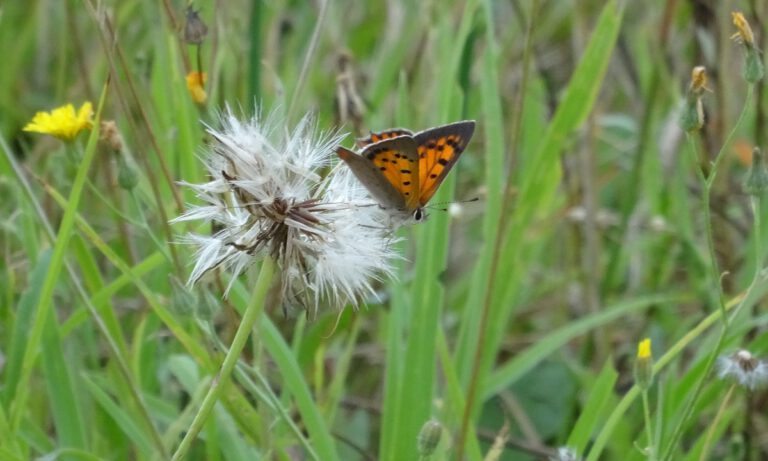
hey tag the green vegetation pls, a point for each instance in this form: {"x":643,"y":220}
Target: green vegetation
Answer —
{"x":621,"y":197}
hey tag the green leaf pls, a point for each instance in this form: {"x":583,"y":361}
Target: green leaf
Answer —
{"x":602,"y":393}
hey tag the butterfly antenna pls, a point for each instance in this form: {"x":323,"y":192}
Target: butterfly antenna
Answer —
{"x":441,"y":205}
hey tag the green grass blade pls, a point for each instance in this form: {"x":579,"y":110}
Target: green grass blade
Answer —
{"x":293,"y":379}
{"x":124,"y":420}
{"x":64,"y":400}
{"x":525,"y":361}
{"x":601,"y":394}
{"x":21,"y":327}
{"x":61,"y":245}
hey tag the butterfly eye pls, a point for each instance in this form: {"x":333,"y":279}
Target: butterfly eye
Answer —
{"x":419,"y":215}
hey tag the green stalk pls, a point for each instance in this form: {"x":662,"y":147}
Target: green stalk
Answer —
{"x":708,"y":183}
{"x":648,"y":431}
{"x":308,"y":58}
{"x":61,"y":245}
{"x":708,"y":441}
{"x":252,"y":313}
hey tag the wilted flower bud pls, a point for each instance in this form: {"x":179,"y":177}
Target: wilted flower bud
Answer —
{"x":644,"y":365}
{"x":195,"y":29}
{"x":126,"y":175}
{"x":429,"y":437}
{"x":753,"y":63}
{"x":110,"y":135}
{"x":698,"y":80}
{"x":692,"y":117}
{"x":743,"y":30}
{"x":756,"y":181}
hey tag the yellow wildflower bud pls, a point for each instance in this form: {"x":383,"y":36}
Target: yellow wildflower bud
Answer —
{"x":644,"y":349}
{"x":196,"y":86}
{"x":644,"y":365}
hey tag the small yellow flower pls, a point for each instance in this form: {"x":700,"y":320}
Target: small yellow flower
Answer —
{"x":62,"y":122}
{"x":196,"y":86}
{"x":744,"y":34}
{"x":644,"y":365}
{"x":644,"y":349}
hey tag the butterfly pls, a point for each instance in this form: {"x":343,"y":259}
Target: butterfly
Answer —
{"x":402,"y":170}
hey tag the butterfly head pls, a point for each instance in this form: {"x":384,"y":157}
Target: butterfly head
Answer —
{"x":419,"y":214}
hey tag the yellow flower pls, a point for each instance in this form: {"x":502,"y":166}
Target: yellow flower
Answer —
{"x":195,"y":84}
{"x":644,"y":365}
{"x":62,"y":122}
{"x":744,"y":33}
{"x":644,"y":349}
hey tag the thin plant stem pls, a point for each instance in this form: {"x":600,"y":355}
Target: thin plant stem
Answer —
{"x":252,"y":313}
{"x":308,"y":58}
{"x":707,"y":184}
{"x":711,"y":432}
{"x":112,"y":50}
{"x":648,"y":429}
{"x":115,"y":345}
{"x":472,"y":388}
{"x":44,"y":303}
{"x":756,"y":203}
{"x":727,"y":142}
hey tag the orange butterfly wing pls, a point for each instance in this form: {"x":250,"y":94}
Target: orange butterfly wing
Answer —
{"x":439,"y":149}
{"x":389,"y":170}
{"x":398,"y":161}
{"x":381,"y":136}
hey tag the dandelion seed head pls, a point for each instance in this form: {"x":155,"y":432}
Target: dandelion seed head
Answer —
{"x":744,"y":368}
{"x":267,"y":196}
{"x":565,"y":454}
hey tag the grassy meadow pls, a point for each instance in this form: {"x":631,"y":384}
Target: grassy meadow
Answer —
{"x":620,"y":197}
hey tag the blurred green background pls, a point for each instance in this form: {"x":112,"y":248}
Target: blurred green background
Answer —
{"x":513,"y":321}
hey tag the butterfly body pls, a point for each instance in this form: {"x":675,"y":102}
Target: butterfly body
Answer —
{"x":402,"y":170}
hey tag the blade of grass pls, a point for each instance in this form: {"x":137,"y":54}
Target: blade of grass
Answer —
{"x":737,"y":303}
{"x":510,"y":372}
{"x":415,"y":397}
{"x":124,"y":420}
{"x":251,"y":315}
{"x":61,"y":244}
{"x":65,"y":404}
{"x":296,"y":384}
{"x":601,"y":394}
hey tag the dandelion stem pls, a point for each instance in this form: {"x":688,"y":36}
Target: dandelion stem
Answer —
{"x":648,"y":428}
{"x":252,"y":313}
{"x":711,"y":432}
